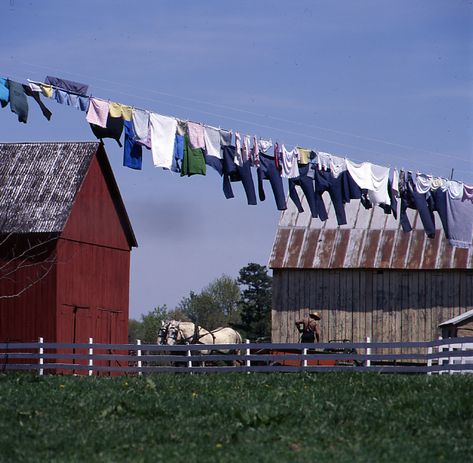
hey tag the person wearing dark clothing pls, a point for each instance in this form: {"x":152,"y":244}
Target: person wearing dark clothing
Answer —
{"x":309,"y":328}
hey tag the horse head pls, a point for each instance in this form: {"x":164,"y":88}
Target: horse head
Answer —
{"x":163,"y":332}
{"x":174,"y":334}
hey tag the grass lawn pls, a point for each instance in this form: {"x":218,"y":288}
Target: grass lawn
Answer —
{"x":331,"y":417}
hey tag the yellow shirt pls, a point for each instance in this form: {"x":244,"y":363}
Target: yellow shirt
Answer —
{"x":120,"y":110}
{"x":304,"y":155}
{"x":47,"y":90}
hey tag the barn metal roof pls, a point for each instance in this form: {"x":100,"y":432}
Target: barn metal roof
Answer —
{"x":458,"y":319}
{"x":39,"y":183}
{"x":371,"y":239}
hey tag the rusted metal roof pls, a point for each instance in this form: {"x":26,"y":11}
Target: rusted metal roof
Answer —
{"x":39,"y":183}
{"x":371,"y":239}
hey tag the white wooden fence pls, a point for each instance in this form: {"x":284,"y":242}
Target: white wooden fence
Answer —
{"x":443,"y":356}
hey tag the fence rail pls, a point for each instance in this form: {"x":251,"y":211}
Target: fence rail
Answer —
{"x":442,"y":356}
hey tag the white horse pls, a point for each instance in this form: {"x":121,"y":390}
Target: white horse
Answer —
{"x":187,"y":332}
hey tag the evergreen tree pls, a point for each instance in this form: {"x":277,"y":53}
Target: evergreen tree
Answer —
{"x":255,"y":302}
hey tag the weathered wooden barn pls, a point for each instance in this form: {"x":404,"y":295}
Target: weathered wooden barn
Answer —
{"x":366,"y":278}
{"x":65,"y":242}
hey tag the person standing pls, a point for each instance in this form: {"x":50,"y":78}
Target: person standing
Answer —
{"x":309,"y":328}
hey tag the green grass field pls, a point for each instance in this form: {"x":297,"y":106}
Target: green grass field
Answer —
{"x":336,"y":417}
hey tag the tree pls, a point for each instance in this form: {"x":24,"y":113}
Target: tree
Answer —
{"x":147,"y":328}
{"x":216,"y":305}
{"x":255,"y":301}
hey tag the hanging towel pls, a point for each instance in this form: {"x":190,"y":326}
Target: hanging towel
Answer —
{"x":163,"y":133}
{"x":4,"y":92}
{"x":97,"y":113}
{"x":113,"y":129}
{"x":245,"y":149}
{"x":140,"y":119}
{"x":68,"y":85}
{"x":79,"y":102}
{"x":18,"y":101}
{"x":467,"y":193}
{"x":196,"y":135}
{"x":132,"y":151}
{"x":35,"y":95}
{"x":254,"y":153}
{"x":120,"y":110}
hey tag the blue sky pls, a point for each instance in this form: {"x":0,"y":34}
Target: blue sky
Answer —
{"x":385,"y":81}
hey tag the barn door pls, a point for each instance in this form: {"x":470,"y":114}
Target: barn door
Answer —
{"x":108,"y":333}
{"x":74,"y":326}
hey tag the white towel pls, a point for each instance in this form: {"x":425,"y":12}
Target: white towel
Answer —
{"x":163,"y":134}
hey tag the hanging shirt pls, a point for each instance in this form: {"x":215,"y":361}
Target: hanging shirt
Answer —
{"x":288,"y":163}
{"x":140,"y":119}
{"x":113,"y":129}
{"x":459,"y":216}
{"x":4,"y":92}
{"x":132,"y":150}
{"x":68,"y":85}
{"x":35,"y":95}
{"x":467,"y":193}
{"x":225,"y":137}
{"x":212,"y":142}
{"x":193,"y":162}
{"x":196,"y":135}
{"x":423,"y":183}
{"x":79,"y":102}
{"x":238,"y":159}
{"x":163,"y":134}
{"x":245,"y":149}
{"x":372,"y":177}
{"x":265,"y":145}
{"x":18,"y":101}
{"x":120,"y":110}
{"x":304,"y":155}
{"x":97,"y":113}
{"x":47,"y":90}
{"x":254,"y":153}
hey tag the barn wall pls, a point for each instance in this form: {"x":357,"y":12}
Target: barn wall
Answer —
{"x":387,"y":305}
{"x":94,"y":217}
{"x":32,"y":313}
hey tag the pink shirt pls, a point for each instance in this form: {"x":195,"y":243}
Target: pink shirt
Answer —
{"x":196,"y":135}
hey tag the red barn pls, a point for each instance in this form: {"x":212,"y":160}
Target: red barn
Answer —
{"x":65,"y":242}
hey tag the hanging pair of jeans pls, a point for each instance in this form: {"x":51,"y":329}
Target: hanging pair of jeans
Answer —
{"x":306,"y":183}
{"x":412,"y":199}
{"x":267,"y":170}
{"x":234,"y":173}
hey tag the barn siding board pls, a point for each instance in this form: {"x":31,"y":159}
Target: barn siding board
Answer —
{"x":295,"y":244}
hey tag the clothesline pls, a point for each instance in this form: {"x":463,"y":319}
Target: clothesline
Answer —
{"x":188,"y":147}
{"x":246,"y":111}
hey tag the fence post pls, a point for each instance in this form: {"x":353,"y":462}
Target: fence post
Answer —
{"x":91,"y":360}
{"x":138,"y":354}
{"x":41,"y":359}
{"x":429,"y":360}
{"x":189,"y":355}
{"x":440,"y":360}
{"x":248,"y":352}
{"x":368,"y":352}
{"x":450,"y":359}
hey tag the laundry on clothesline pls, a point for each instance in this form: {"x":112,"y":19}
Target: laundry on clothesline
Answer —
{"x":188,"y":147}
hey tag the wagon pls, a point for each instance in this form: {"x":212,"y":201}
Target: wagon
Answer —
{"x":294,"y":362}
